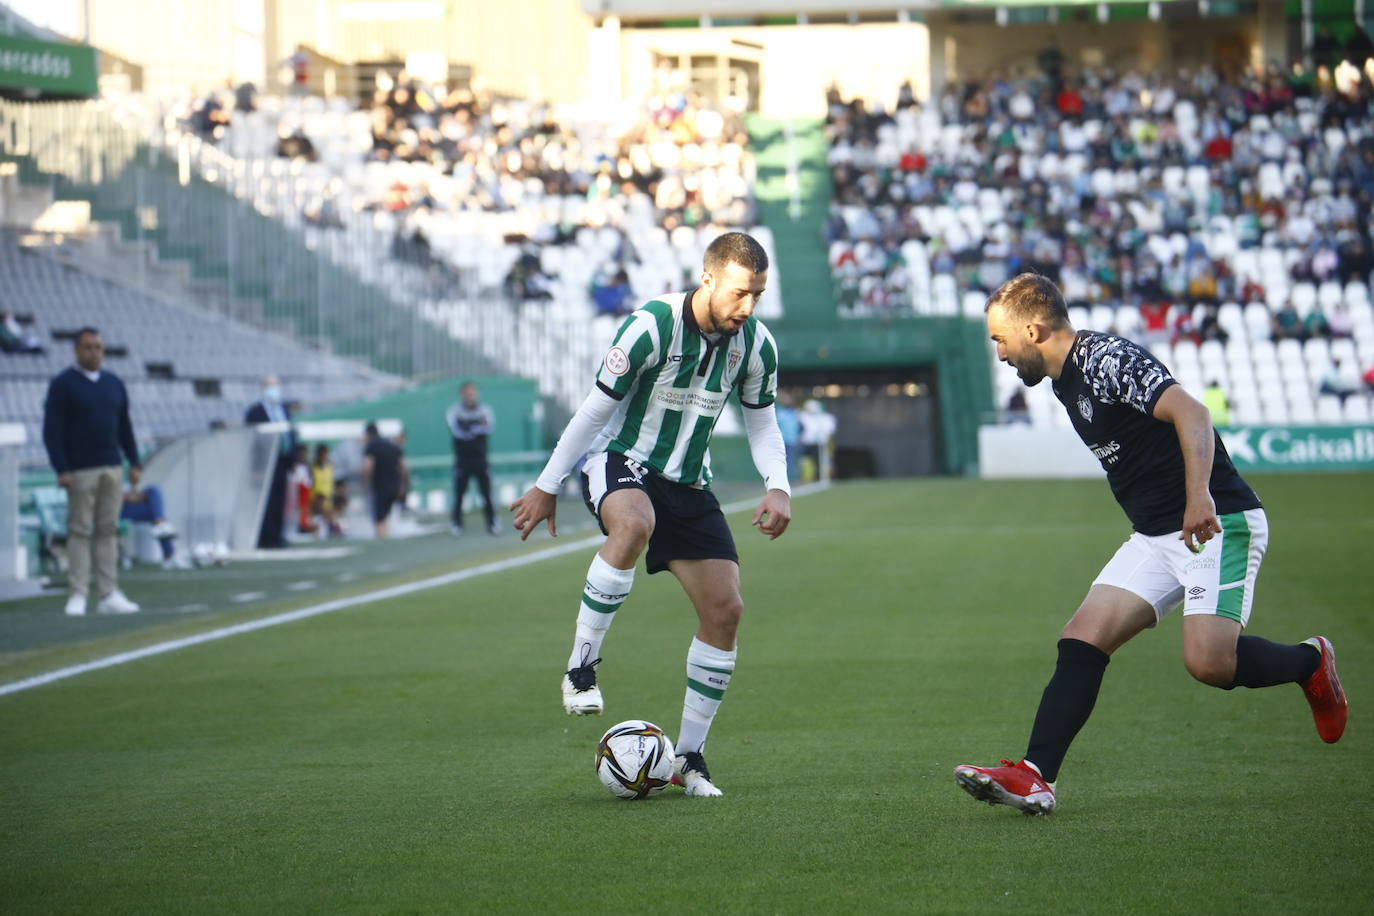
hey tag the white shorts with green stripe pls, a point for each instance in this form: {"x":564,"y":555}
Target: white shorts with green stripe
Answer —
{"x":1220,"y":580}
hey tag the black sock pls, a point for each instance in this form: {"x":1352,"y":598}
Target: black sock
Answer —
{"x":1066,"y":704}
{"x":1261,"y":663}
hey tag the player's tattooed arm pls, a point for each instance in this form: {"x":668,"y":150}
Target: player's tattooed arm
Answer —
{"x":1193,"y":424}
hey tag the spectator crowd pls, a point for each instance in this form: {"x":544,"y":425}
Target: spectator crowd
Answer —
{"x":430,"y":153}
{"x":1183,"y":211}
{"x":1126,"y":189}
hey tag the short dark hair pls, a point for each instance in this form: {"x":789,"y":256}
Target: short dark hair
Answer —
{"x":82,"y":332}
{"x":1031,"y":297}
{"x":735,"y":248}
{"x":370,"y":430}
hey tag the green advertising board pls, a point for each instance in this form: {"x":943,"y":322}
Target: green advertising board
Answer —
{"x":1300,"y":448}
{"x":47,"y":67}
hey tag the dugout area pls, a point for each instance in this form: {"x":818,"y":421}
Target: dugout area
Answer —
{"x":887,"y":418}
{"x":909,"y":394}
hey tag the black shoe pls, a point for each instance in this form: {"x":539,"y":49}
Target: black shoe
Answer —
{"x":692,"y":760}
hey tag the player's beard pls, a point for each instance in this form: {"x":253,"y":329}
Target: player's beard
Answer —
{"x":1030,"y":367}
{"x":721,"y":319}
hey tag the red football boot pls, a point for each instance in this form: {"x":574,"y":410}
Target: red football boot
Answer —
{"x":1017,"y":784}
{"x":1324,"y":693}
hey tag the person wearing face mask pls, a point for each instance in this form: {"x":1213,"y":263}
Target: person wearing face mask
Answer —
{"x":271,"y":408}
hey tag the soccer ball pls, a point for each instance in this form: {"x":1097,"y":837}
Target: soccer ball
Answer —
{"x":203,"y":553}
{"x":634,"y":759}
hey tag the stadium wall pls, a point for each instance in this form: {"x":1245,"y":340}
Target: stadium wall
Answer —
{"x":535,"y":48}
{"x":421,"y":411}
{"x":796,"y":64}
{"x":971,"y":51}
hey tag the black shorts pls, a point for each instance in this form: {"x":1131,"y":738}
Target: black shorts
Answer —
{"x":688,"y":523}
{"x":382,"y":501}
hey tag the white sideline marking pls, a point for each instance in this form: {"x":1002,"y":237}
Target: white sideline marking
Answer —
{"x":338,"y":604}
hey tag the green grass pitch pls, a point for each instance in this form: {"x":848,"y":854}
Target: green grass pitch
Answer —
{"x":411,"y":756}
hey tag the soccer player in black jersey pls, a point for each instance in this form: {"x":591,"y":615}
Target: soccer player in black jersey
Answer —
{"x":1199,"y":536}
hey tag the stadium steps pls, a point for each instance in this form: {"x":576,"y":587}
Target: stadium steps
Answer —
{"x":803,"y":262}
{"x":104,"y":252}
{"x":251,"y":256}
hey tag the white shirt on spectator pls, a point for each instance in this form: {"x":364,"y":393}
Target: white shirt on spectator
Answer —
{"x":1072,"y":137}
{"x":1022,"y":107}
{"x":1163,"y":101}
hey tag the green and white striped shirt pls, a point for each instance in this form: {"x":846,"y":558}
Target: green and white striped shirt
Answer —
{"x":672,"y":382}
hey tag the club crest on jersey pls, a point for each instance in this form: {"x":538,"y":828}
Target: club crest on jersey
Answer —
{"x":1085,"y":406}
{"x":732,"y":360}
{"x":617,"y":363}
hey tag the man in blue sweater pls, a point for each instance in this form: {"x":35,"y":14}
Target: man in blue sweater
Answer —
{"x":85,"y":428}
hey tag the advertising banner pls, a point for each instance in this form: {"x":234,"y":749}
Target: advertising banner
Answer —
{"x":47,"y":67}
{"x":1300,"y":448}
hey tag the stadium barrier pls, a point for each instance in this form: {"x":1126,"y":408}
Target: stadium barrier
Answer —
{"x":14,"y":557}
{"x":215,"y":484}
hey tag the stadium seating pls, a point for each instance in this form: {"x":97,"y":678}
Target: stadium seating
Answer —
{"x":462,"y":278}
{"x":1235,"y":214}
{"x":184,"y":368}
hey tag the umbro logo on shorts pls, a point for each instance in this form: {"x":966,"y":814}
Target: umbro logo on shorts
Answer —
{"x":1197,"y":591}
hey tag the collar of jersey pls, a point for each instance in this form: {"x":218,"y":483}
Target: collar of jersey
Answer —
{"x":689,"y":319}
{"x":1079,"y":341}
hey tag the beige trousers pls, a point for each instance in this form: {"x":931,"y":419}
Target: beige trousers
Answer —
{"x":93,"y":503}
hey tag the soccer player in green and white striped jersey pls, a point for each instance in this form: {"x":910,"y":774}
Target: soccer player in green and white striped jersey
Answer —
{"x":646,"y":429}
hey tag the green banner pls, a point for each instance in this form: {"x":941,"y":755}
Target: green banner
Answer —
{"x":1300,"y":448}
{"x":47,"y":67}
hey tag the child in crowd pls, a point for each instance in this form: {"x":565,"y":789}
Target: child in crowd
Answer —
{"x":322,"y":491}
{"x":301,"y":485}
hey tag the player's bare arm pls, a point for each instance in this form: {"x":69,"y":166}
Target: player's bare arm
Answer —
{"x":1193,"y":424}
{"x":531,"y":509}
{"x":774,"y":514}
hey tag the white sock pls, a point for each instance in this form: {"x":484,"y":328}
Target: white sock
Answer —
{"x":604,"y":592}
{"x":708,"y":674}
